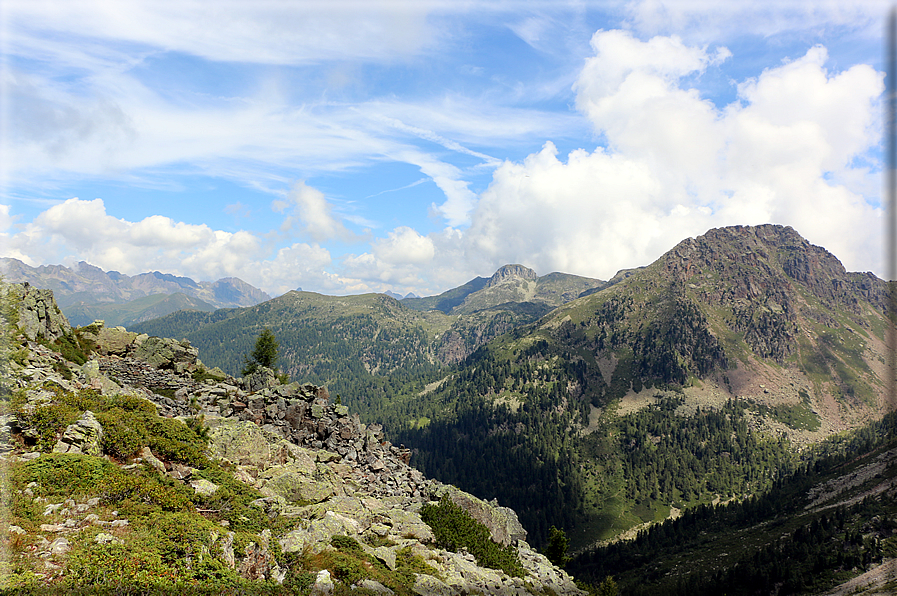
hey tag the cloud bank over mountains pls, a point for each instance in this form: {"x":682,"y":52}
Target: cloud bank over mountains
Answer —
{"x":652,"y":150}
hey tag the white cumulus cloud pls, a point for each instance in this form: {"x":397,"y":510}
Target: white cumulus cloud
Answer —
{"x":676,"y":165}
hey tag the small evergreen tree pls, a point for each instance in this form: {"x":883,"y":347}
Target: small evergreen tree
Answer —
{"x":264,"y":353}
{"x":608,"y":587}
{"x":556,"y":551}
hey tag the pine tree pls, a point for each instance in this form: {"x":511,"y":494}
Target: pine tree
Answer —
{"x":264,"y":353}
{"x":556,"y":551}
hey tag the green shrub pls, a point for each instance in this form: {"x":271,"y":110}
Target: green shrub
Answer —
{"x":175,"y":441}
{"x":64,"y":474}
{"x":144,"y":492}
{"x":127,"y":432}
{"x":74,"y":347}
{"x":454,"y":528}
{"x":109,"y":564}
{"x":124,"y":432}
{"x":49,"y":421}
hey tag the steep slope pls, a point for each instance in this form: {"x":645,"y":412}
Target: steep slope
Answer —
{"x":86,"y":285}
{"x":831,"y":520}
{"x":226,"y":487}
{"x":740,"y":307}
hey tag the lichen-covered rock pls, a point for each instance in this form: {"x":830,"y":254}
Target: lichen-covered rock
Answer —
{"x":246,"y":444}
{"x":166,"y":353}
{"x":203,"y":487}
{"x":36,"y":313}
{"x":323,"y":584}
{"x":317,"y":534}
{"x":84,"y":436}
{"x":115,"y":340}
{"x":427,"y":585}
{"x":262,"y":378}
{"x":147,"y":456}
{"x":93,"y":378}
{"x":295,"y":484}
{"x":545,"y":576}
{"x":375,"y":587}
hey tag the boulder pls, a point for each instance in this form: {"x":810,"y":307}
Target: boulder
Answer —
{"x":427,"y":585}
{"x":166,"y":353}
{"x":147,"y":456}
{"x":84,"y":436}
{"x":262,"y":378}
{"x":317,"y":534}
{"x":323,"y":584}
{"x":203,"y":487}
{"x":115,"y":340}
{"x":375,"y":587}
{"x":296,"y":485}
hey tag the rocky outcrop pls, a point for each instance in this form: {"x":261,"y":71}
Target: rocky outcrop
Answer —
{"x":84,"y":436}
{"x":510,"y":272}
{"x":35,"y":313}
{"x":316,"y":466}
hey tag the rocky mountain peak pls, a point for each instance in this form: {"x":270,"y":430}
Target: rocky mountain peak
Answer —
{"x":507,"y":272}
{"x":766,"y":259}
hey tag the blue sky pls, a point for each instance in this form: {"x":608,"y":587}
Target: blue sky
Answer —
{"x":349,"y":147}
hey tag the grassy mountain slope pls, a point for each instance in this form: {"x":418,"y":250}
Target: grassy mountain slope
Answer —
{"x":319,"y":336}
{"x":135,"y":311}
{"x":449,"y":299}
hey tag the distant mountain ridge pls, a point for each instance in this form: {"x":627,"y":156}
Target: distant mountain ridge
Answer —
{"x":87,"y":291}
{"x":509,"y":284}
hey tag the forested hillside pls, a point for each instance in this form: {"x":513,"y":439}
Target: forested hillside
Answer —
{"x":833,"y":518}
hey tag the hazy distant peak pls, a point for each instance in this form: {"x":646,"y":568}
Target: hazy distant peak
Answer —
{"x":507,"y":272}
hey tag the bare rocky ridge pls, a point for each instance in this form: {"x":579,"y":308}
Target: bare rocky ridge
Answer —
{"x":316,"y":463}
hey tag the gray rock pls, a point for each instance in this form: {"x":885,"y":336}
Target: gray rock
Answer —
{"x":427,"y":585}
{"x":84,"y":436}
{"x":383,"y":554}
{"x":502,"y":522}
{"x":262,"y":378}
{"x":38,"y":315}
{"x":318,"y":533}
{"x":166,"y":353}
{"x":60,"y":546}
{"x":323,"y":584}
{"x":104,"y":538}
{"x":147,"y":456}
{"x":115,"y":340}
{"x":373,"y":586}
{"x":203,"y":487}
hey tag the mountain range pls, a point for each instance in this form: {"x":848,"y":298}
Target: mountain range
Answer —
{"x":745,"y":368}
{"x":85,"y":292}
{"x":534,"y":390}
